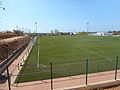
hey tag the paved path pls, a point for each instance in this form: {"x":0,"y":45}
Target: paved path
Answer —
{"x":68,"y":82}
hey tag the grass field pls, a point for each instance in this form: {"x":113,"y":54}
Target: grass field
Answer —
{"x":68,"y":55}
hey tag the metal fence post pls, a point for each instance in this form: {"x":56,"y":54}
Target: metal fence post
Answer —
{"x":116,"y":67}
{"x":87,"y":72}
{"x":23,"y":58}
{"x":51,"y":76}
{"x":18,"y":67}
{"x":8,"y":77}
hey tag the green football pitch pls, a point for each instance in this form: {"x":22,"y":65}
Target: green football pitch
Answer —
{"x":68,"y":55}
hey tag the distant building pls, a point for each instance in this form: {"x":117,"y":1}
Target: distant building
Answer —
{"x":92,"y":33}
{"x":64,"y":33}
{"x":103,"y":33}
{"x":74,"y":33}
{"x":71,"y":33}
{"x":100,"y":33}
{"x":108,"y":34}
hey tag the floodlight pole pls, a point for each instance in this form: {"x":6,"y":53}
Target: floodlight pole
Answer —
{"x":16,"y":27}
{"x":36,"y":27}
{"x":87,"y":26}
{"x":90,"y":29}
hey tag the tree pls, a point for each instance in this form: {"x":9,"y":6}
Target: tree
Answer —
{"x":8,"y":32}
{"x":116,"y":32}
{"x":109,"y":31}
{"x":51,"y":31}
{"x":56,"y":32}
{"x":1,"y":5}
{"x":82,"y":33}
{"x":18,"y":32}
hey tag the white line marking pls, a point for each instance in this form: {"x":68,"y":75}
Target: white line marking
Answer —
{"x":43,"y":65}
{"x":38,"y":59}
{"x":92,"y":52}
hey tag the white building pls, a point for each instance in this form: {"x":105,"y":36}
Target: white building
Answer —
{"x":73,"y":33}
{"x":103,"y":33}
{"x":92,"y":33}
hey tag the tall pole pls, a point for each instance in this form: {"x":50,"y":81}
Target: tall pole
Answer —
{"x":90,"y":29}
{"x":87,"y":72}
{"x":36,"y":27}
{"x":8,"y":77}
{"x":88,"y":26}
{"x":116,"y":68}
{"x":51,"y":76}
{"x":16,"y":27}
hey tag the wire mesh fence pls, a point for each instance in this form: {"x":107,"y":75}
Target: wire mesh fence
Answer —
{"x":73,"y":74}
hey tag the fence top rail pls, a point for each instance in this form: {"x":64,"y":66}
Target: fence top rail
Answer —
{"x":60,"y":65}
{"x":90,"y":59}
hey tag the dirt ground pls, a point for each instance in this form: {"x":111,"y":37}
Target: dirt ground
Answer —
{"x":9,"y":45}
{"x":7,"y":36}
{"x":113,"y":88}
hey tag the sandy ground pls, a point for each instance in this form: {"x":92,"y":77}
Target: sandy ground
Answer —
{"x":11,"y":39}
{"x":59,"y":83}
{"x":114,"y":88}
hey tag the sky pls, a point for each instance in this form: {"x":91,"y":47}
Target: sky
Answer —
{"x":64,"y":15}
